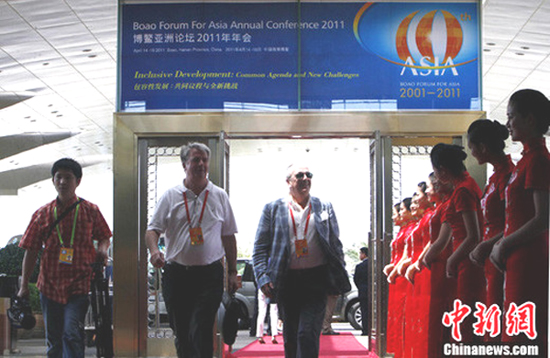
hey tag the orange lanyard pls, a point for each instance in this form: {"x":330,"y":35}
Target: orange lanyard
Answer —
{"x":294,"y":222}
{"x":202,"y":210}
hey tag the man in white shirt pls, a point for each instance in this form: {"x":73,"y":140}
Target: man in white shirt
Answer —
{"x":298,"y":260}
{"x":199,"y":229}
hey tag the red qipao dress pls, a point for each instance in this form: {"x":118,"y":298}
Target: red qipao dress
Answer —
{"x":440,"y":290}
{"x":417,"y":339}
{"x":397,"y":293}
{"x":470,"y":281}
{"x":526,"y":275}
{"x":408,"y":307}
{"x":493,"y":206}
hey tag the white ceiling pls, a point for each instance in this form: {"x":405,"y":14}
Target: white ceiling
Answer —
{"x":63,"y":53}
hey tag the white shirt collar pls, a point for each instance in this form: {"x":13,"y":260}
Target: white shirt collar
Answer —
{"x":189,"y":191}
{"x":297,"y":207}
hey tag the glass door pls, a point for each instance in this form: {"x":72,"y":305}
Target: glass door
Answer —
{"x":161,"y":169}
{"x":381,"y":204}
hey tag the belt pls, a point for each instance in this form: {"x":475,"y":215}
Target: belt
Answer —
{"x":192,"y":267}
{"x":307,"y":271}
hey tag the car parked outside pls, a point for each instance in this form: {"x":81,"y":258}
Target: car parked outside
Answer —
{"x":347,"y":307}
{"x":246,"y":294}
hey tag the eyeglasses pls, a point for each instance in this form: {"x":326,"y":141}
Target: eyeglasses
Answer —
{"x":301,"y":175}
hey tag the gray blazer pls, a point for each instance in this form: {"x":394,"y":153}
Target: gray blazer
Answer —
{"x":271,"y":256}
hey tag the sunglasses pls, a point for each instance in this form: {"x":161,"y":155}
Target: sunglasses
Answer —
{"x":301,"y":175}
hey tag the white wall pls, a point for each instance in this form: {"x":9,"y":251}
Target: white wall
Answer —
{"x":341,"y":175}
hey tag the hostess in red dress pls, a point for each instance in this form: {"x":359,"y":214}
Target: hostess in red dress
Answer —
{"x":526,"y":276}
{"x":416,"y":331}
{"x":470,"y":281}
{"x":493,"y":206}
{"x":440,"y":290}
{"x":397,"y":293}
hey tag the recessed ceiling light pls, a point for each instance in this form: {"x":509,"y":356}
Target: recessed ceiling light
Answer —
{"x":520,"y":53}
{"x":87,"y":50}
{"x":45,"y":64}
{"x":54,"y":112}
{"x":92,"y":56}
{"x":491,"y":44}
{"x":59,"y":115}
{"x":486,"y":50}
{"x":524,"y":47}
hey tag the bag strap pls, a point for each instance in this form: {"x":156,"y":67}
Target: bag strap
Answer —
{"x":60,"y":217}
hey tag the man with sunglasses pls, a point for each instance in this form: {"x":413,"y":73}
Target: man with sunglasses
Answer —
{"x":298,"y":260}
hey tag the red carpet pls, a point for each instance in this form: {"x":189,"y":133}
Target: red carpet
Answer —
{"x":341,"y":346}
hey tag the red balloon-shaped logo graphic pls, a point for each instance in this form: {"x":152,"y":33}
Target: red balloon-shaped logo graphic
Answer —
{"x":423,"y":36}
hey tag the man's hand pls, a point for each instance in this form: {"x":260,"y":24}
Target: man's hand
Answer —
{"x":157,"y":259}
{"x":267,"y":289}
{"x":23,"y":291}
{"x":232,"y":282}
{"x":102,"y":256}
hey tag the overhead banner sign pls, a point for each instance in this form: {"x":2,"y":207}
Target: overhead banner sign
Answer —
{"x":290,"y":56}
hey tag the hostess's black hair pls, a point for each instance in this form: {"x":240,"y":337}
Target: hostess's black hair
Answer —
{"x":450,"y":157}
{"x":407,"y":203}
{"x":423,"y":186}
{"x":490,"y":133}
{"x":530,"y":101}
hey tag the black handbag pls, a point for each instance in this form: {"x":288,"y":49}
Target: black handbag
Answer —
{"x":338,"y":279}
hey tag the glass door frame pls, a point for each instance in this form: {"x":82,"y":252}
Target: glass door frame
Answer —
{"x":130,"y":315}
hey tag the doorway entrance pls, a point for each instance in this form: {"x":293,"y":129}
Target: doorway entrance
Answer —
{"x":343,"y":149}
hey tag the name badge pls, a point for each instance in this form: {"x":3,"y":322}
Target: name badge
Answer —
{"x":301,"y":248}
{"x":196,"y":236}
{"x":66,"y":256}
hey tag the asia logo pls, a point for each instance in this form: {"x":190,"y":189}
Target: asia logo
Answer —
{"x":426,"y":41}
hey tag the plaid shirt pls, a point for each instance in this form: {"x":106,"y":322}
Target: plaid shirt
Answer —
{"x":59,"y":281}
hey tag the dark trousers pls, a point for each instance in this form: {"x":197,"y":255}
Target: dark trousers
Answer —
{"x":302,"y":302}
{"x":364,"y":301}
{"x":193,"y":295}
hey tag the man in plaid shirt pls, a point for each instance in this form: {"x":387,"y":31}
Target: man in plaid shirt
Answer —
{"x":65,"y":229}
